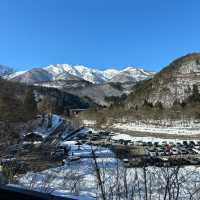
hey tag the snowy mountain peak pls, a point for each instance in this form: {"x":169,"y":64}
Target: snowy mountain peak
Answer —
{"x":131,"y":69}
{"x":66,"y":71}
{"x":109,"y":73}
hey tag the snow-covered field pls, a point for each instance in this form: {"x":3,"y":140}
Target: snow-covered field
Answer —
{"x":119,"y":136}
{"x":164,"y":127}
{"x":86,"y":150}
{"x":79,"y":179}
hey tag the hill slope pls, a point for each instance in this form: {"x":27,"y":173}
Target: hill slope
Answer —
{"x":173,"y":83}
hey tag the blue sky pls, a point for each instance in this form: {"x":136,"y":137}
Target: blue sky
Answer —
{"x":97,"y":33}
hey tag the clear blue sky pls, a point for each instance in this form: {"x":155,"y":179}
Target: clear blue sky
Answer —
{"x":97,"y":33}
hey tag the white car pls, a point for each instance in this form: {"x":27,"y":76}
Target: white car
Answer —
{"x":174,"y":151}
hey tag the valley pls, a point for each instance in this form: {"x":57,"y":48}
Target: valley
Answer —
{"x":89,"y":134}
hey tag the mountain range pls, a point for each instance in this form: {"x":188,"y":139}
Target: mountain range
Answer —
{"x":79,"y":72}
{"x":172,"y":94}
{"x":175,"y":87}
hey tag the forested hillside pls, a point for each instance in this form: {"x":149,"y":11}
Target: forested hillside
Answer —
{"x":171,"y":94}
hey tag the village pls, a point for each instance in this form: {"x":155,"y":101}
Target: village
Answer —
{"x":133,"y":154}
{"x":62,"y":143}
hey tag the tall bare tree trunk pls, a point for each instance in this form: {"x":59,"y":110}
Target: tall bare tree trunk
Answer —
{"x":145,"y":182}
{"x":98,"y":176}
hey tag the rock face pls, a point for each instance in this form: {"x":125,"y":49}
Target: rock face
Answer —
{"x":173,"y":83}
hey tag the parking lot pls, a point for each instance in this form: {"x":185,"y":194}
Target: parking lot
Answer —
{"x":138,"y":152}
{"x":168,"y":149}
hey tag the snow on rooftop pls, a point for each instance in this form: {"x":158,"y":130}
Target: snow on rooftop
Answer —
{"x":45,"y":132}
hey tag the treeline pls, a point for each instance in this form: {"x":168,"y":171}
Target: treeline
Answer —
{"x":180,"y":110}
{"x":57,"y":101}
{"x":116,"y":99}
{"x":19,"y":102}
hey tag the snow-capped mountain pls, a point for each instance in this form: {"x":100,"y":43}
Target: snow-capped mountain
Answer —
{"x":131,"y":74}
{"x":35,"y":75}
{"x":88,"y":74}
{"x":5,"y":70}
{"x":80,"y":72}
{"x":110,"y":73}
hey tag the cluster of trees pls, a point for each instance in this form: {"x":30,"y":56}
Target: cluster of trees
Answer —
{"x":17,"y":107}
{"x":116,"y":99}
{"x":17,"y":103}
{"x":56,"y":101}
{"x":187,"y":109}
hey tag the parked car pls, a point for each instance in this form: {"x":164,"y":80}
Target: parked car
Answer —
{"x":149,"y":143}
{"x":192,"y":143}
{"x":185,"y":143}
{"x":152,"y":153}
{"x":196,"y":150}
{"x":174,"y":151}
{"x":190,"y":151}
{"x":160,"y":152}
{"x":183,"y":151}
{"x":194,"y":161}
{"x":178,"y":144}
{"x":156,"y":144}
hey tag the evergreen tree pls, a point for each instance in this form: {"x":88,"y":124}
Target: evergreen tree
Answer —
{"x":147,"y":104}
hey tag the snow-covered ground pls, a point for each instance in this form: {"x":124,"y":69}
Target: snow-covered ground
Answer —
{"x":123,"y":136}
{"x":85,"y":150}
{"x":79,"y":178}
{"x":164,"y":127}
{"x":89,"y":122}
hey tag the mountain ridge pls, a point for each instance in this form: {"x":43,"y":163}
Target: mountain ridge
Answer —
{"x":95,"y":76}
{"x":173,"y":83}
